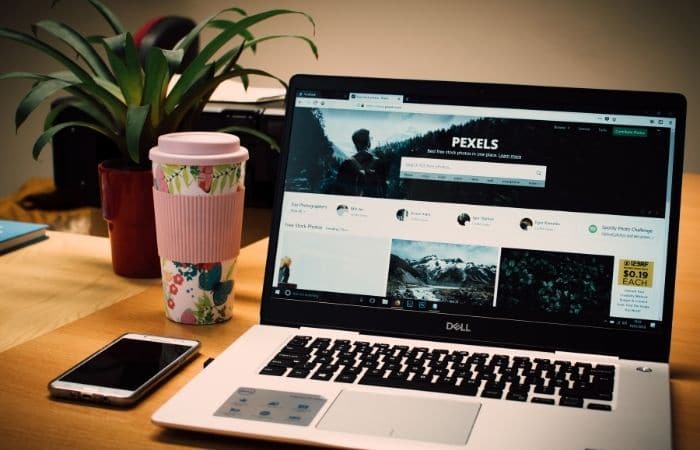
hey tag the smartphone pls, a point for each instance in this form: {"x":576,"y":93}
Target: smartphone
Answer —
{"x":124,"y":370}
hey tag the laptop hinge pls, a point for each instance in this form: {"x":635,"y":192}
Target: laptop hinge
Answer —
{"x":585,"y":357}
{"x":329,"y":332}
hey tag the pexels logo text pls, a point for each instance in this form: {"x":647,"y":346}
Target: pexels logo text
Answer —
{"x":477,"y":143}
{"x":458,"y":326}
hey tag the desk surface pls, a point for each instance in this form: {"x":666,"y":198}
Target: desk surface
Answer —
{"x":29,"y":419}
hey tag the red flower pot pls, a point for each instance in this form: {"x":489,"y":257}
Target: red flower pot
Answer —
{"x":127,"y":206}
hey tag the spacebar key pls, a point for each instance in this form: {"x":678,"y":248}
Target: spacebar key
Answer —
{"x":375,"y":381}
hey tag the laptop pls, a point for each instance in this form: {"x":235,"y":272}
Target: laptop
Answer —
{"x":460,"y":266}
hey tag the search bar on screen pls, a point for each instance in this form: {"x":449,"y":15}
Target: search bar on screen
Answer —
{"x":528,"y":175}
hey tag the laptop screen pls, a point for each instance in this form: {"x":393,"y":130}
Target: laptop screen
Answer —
{"x":435,"y":206}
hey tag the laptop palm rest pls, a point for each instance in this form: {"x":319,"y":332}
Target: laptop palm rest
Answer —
{"x":402,"y":416}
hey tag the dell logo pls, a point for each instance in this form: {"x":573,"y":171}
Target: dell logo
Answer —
{"x":457,"y":326}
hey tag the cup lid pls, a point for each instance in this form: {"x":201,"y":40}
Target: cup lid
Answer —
{"x":198,"y":148}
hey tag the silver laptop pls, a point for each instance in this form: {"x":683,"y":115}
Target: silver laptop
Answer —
{"x":457,"y":265}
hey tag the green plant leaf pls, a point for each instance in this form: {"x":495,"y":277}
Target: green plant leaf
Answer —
{"x":88,"y":86}
{"x":156,"y":83}
{"x":224,"y":24}
{"x":55,"y":111}
{"x":111,"y":88}
{"x":48,"y":50}
{"x":135,"y":120}
{"x":89,"y":103}
{"x":95,"y":39}
{"x":78,"y":43}
{"x":235,"y":29}
{"x":123,"y":57}
{"x":186,"y":41}
{"x":109,"y":16}
{"x":90,"y":109}
{"x":185,"y":82}
{"x":65,"y":75}
{"x":242,"y":71}
{"x":99,"y":95}
{"x":253,"y":132}
{"x":181,"y":90}
{"x":40,"y":92}
{"x":229,"y":59}
{"x":311,"y":43}
{"x":62,"y":75}
{"x":46,"y":136}
{"x":174,"y":58}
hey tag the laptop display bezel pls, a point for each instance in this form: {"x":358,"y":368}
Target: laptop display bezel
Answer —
{"x":624,"y":343}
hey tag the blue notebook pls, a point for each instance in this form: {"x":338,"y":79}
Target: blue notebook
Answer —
{"x":16,"y":234}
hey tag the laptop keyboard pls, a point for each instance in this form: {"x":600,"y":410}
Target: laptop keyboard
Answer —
{"x":522,"y":379}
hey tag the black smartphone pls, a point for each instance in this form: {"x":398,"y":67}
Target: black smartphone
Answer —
{"x":124,"y":370}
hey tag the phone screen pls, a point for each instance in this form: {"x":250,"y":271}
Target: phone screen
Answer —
{"x":127,"y":364}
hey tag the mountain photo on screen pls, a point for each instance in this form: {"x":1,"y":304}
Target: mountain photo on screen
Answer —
{"x":442,"y":272}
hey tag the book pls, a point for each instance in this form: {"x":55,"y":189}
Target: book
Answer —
{"x":17,"y":234}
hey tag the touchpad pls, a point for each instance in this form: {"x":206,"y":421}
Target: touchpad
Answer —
{"x":402,"y":416}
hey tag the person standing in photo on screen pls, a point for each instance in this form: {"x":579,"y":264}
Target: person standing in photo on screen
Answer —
{"x":362,"y":174}
{"x":283,"y":273}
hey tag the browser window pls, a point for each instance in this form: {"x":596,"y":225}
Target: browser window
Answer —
{"x":535,"y":215}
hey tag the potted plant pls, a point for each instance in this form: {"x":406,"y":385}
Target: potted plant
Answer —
{"x":130,"y":102}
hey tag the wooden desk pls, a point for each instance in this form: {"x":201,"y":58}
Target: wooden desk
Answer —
{"x":29,"y":419}
{"x":56,"y":281}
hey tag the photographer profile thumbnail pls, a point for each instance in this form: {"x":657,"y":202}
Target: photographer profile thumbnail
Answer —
{"x":402,"y":214}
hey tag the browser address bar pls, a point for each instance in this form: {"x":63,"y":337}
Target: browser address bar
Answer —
{"x":473,"y":172}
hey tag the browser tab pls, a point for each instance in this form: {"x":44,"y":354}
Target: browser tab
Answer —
{"x":389,"y":98}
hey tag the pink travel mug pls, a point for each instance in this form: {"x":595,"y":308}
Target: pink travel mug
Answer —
{"x":198,"y":198}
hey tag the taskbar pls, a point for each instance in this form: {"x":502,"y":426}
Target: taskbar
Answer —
{"x":288,"y":291}
{"x":291,"y":292}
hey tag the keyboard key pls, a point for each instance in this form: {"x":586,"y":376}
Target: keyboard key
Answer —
{"x":518,"y":397}
{"x":354,"y":370}
{"x":543,"y":400}
{"x":345,"y":377}
{"x":575,"y":402}
{"x":492,"y":393}
{"x":547,"y":390}
{"x":280,"y":363}
{"x":495,"y":385}
{"x":604,"y":368}
{"x":605,"y":396}
{"x":468,"y":387}
{"x":559,"y":382}
{"x":328,"y":368}
{"x":299,"y":373}
{"x":523,"y":389}
{"x":599,"y":406}
{"x":321,"y":375}
{"x":292,"y":358}
{"x":273,"y":370}
{"x":369,"y":364}
{"x":398,"y":375}
{"x":301,"y":338}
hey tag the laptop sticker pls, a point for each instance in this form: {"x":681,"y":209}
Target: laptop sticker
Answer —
{"x":264,"y":405}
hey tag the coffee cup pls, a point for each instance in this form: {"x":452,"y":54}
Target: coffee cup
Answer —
{"x":198,"y":196}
